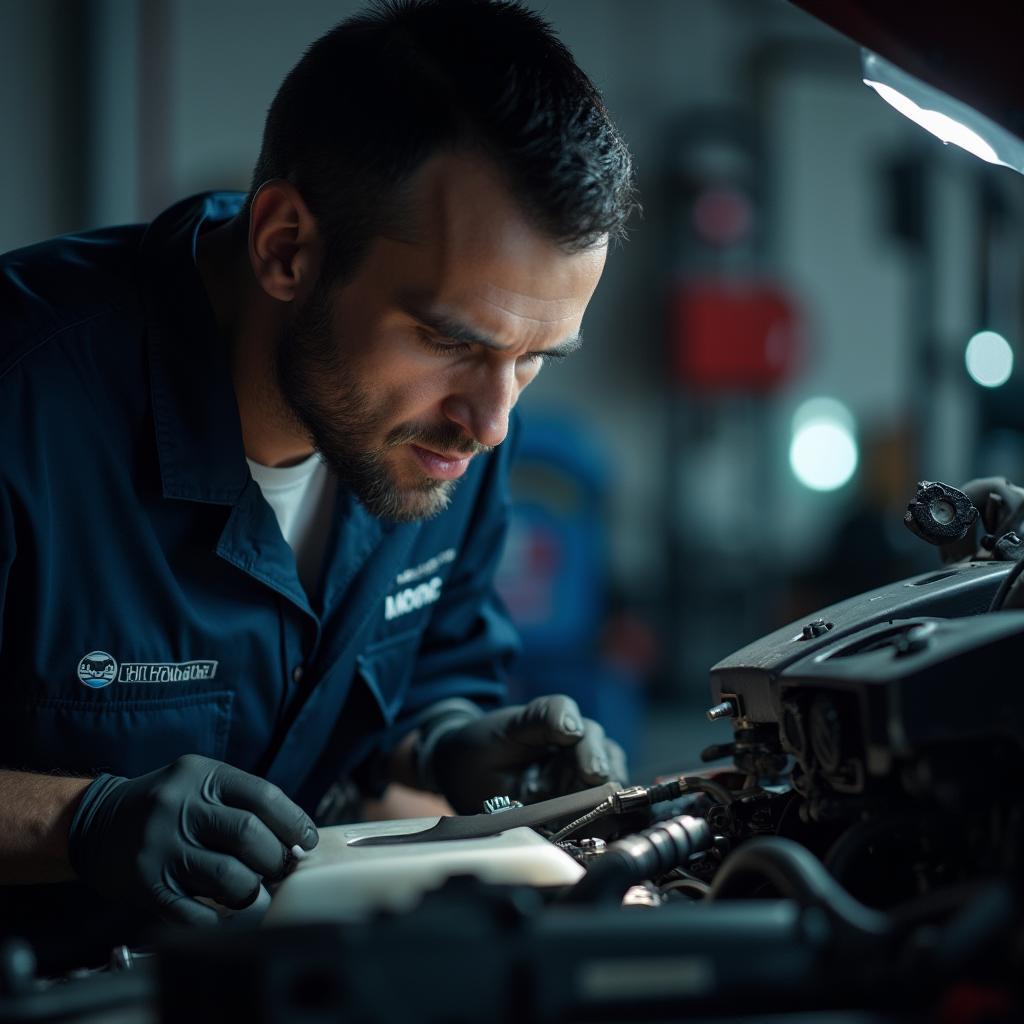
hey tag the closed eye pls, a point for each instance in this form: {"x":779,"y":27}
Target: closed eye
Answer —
{"x":538,"y":358}
{"x":553,"y":356}
{"x":449,"y":347}
{"x":441,"y":346}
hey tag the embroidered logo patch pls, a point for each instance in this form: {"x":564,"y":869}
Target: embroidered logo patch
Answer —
{"x":98,"y":669}
{"x":412,"y":599}
{"x":427,"y":568}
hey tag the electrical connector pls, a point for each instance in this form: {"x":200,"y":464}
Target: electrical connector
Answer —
{"x":629,"y":799}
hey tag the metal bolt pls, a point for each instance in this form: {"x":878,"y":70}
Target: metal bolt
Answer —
{"x":815,"y":628}
{"x":914,"y":640}
{"x":727,"y":709}
{"x":641,"y":896}
{"x":589,"y":848}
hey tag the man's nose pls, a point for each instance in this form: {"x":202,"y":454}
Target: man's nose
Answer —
{"x":482,"y":404}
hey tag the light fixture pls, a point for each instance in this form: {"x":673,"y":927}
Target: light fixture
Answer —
{"x":989,"y":359}
{"x":950,"y":119}
{"x":823,"y":451}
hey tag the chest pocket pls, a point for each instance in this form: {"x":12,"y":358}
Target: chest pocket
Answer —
{"x":127,"y":737}
{"x":386,"y":667}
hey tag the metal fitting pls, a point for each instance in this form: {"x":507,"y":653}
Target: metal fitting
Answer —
{"x":496,"y":804}
{"x":727,"y":709}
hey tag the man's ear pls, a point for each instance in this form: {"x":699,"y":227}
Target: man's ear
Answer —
{"x":284,"y":241}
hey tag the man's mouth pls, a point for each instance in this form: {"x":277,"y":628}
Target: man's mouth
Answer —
{"x":440,"y":465}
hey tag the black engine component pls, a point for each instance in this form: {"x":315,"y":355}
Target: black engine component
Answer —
{"x":939,"y":513}
{"x":946,"y":516}
{"x":903,"y":723}
{"x":863,"y":853}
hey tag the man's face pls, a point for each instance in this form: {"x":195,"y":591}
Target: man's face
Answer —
{"x":408,"y":369}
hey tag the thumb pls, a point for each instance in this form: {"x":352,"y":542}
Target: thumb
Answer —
{"x":547,"y":721}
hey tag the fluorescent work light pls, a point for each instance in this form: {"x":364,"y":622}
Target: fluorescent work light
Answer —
{"x":949,"y":119}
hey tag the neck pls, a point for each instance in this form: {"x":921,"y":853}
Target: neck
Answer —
{"x":251,"y":323}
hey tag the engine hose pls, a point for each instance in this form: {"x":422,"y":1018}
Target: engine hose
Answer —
{"x":645,"y":855}
{"x":697,"y":889}
{"x":694,"y":784}
{"x":798,"y":875}
{"x":843,"y":855}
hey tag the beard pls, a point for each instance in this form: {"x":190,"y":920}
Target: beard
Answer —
{"x":348,"y":427}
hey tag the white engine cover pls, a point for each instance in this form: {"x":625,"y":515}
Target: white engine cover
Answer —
{"x":339,"y":881}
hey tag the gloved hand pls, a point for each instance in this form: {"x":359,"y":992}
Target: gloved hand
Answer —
{"x":529,"y":752}
{"x":197,"y":827}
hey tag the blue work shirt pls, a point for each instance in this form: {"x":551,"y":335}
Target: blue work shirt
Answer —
{"x":149,"y":605}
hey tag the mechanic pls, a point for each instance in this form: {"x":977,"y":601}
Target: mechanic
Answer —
{"x":253,"y":489}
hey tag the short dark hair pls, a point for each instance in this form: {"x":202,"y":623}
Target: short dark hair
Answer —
{"x":384,"y":90}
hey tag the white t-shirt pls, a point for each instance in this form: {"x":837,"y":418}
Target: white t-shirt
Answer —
{"x":302,"y":497}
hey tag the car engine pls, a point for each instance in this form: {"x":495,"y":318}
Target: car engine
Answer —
{"x":854,"y":853}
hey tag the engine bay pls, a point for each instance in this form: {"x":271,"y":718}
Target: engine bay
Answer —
{"x":853,"y":851}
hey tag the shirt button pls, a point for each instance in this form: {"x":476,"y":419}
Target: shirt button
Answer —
{"x":297,"y":673}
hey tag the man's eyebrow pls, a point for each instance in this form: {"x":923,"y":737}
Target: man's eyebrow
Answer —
{"x":453,"y":329}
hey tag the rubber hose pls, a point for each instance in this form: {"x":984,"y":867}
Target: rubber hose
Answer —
{"x":798,"y":875}
{"x":645,"y":855}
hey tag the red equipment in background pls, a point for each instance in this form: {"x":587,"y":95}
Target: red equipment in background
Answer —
{"x":733,"y":334}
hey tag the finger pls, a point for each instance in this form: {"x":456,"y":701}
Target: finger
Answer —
{"x":592,"y":760}
{"x":617,"y":758}
{"x":218,"y":876}
{"x":547,"y":721}
{"x":285,"y":819}
{"x":242,"y":835}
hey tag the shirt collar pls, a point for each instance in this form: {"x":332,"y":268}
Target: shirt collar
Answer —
{"x":198,"y":433}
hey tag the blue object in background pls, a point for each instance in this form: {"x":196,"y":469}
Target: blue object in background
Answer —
{"x":554,"y":575}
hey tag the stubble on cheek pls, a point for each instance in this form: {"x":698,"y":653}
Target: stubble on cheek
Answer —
{"x":373,"y":457}
{"x":359,"y":425}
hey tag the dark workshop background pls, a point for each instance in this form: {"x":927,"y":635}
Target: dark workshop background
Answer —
{"x":800,"y":243}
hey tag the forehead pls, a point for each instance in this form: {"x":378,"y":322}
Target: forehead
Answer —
{"x":470,"y":250}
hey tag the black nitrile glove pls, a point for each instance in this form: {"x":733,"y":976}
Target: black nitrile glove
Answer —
{"x":529,"y":752}
{"x":197,"y":827}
